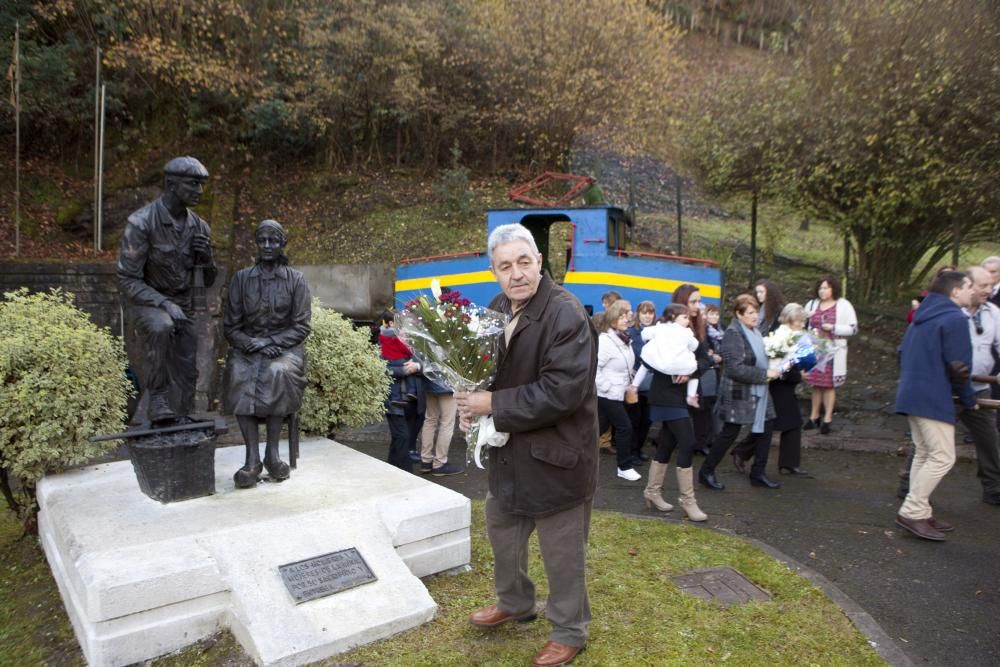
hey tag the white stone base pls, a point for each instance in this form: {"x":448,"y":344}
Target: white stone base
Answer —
{"x":141,"y":579}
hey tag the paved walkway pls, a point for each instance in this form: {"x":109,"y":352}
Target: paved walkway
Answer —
{"x":939,"y":602}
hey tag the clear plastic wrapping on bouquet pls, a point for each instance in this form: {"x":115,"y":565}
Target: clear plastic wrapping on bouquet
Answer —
{"x":812,"y":352}
{"x":457,"y":343}
{"x":807,"y":349}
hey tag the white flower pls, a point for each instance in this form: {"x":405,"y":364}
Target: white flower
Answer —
{"x":781,"y":342}
{"x":473,"y":322}
{"x":436,"y":288}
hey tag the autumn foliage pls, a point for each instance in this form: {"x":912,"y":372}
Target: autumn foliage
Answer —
{"x":361,"y":81}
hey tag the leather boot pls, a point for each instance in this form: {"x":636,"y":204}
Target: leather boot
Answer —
{"x":685,"y":486}
{"x":654,"y":487}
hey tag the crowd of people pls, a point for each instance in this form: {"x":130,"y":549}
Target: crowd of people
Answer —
{"x":951,"y":349}
{"x":704,"y":383}
{"x":563,"y":378}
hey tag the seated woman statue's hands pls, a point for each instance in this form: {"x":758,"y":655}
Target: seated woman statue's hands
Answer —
{"x":271,"y":351}
{"x":257,"y":344}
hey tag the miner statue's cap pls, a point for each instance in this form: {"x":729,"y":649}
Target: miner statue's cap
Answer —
{"x":186,"y":167}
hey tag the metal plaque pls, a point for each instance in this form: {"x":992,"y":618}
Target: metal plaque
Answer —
{"x":325,"y":575}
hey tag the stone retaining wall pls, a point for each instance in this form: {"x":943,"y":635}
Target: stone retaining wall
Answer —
{"x":94,"y":285}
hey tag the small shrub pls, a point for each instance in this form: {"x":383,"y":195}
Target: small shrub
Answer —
{"x":452,"y":189}
{"x":346,"y":379}
{"x":62,"y":380}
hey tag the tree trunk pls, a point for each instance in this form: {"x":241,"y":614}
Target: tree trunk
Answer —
{"x":8,"y":493}
{"x":882,"y":271}
{"x":753,"y":238}
{"x":399,"y":144}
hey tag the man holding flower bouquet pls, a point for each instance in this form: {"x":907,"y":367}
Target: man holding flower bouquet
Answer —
{"x":545,"y":477}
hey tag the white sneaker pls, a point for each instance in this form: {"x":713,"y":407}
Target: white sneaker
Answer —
{"x":630,"y":474}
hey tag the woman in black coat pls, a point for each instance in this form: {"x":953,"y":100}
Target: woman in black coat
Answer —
{"x":743,"y":397}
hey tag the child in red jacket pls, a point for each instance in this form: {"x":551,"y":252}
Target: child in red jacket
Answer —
{"x":394,"y":349}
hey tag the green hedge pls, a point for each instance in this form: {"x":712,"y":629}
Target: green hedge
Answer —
{"x":62,"y":380}
{"x":347,"y":381}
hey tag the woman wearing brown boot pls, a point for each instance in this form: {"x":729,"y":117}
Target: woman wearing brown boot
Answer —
{"x":669,"y":401}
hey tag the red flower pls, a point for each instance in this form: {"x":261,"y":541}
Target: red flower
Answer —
{"x":486,"y":357}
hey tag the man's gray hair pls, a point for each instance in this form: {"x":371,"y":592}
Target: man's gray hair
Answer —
{"x":992,"y":259}
{"x":507,"y":234}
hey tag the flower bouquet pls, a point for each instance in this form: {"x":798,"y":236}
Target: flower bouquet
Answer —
{"x":779,"y":344}
{"x":457,"y":343}
{"x":808,"y":350}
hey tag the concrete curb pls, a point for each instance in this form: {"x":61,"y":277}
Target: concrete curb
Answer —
{"x":845,"y":441}
{"x":878,"y":638}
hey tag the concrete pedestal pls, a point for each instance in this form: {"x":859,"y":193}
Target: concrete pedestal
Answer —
{"x":140,"y":579}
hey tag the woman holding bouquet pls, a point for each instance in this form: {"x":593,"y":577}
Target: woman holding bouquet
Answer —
{"x":615,"y":362}
{"x":833,"y":316}
{"x":788,"y":417}
{"x":743,"y":395}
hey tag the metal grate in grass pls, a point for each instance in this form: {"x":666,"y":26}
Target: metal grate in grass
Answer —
{"x":721,"y":584}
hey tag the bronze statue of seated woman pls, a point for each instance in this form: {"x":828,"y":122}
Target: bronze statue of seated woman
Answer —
{"x":266,"y":323}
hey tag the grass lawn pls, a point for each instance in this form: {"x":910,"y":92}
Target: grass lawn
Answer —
{"x":640,"y":616}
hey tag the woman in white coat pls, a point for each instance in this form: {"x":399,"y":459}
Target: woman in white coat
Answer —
{"x":615,"y":370}
{"x":833,"y":316}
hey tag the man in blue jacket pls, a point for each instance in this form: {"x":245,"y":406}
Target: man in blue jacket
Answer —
{"x":935,"y":365}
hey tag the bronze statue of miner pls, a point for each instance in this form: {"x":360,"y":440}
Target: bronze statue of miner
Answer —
{"x":164,"y":244}
{"x":266,"y":323}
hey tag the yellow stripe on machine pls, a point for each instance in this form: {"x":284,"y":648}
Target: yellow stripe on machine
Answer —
{"x":450,"y":280}
{"x":637,"y":282}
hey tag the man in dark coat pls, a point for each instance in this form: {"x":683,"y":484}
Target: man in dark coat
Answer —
{"x":935,"y":363}
{"x":163,"y":245}
{"x":544,"y":478}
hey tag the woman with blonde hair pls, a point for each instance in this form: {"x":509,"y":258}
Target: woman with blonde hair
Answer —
{"x":615,"y":370}
{"x":787,"y":415}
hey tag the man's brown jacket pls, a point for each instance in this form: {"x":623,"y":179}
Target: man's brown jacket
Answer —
{"x":544,"y":396}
